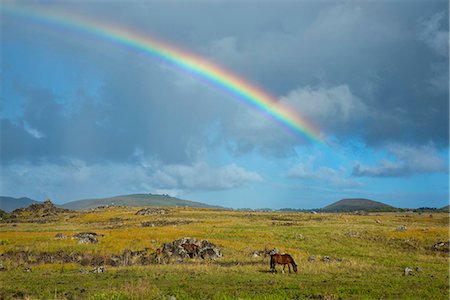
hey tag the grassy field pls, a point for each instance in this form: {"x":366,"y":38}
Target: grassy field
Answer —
{"x":367,"y":256}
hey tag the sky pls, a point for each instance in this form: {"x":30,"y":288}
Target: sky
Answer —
{"x":86,"y":117}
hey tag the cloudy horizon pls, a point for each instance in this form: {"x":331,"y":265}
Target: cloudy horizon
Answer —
{"x":84,"y":118}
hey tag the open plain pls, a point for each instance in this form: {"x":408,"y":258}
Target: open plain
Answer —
{"x":339,"y":256}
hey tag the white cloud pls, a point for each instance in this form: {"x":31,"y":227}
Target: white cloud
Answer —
{"x":33,"y":131}
{"x":407,"y":161}
{"x":333,"y":109}
{"x":433,"y":32}
{"x":202,"y":176}
{"x":333,"y":106}
{"x":334,"y":177}
{"x":76,"y":179}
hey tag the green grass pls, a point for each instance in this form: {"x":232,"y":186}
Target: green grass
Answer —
{"x":368,"y":256}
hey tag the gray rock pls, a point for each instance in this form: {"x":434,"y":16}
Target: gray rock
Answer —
{"x":326,"y":258}
{"x":299,"y":236}
{"x":312,"y":258}
{"x":408,"y":271}
{"x":100,"y":269}
{"x":189,"y":248}
{"x":441,"y":246}
{"x":87,"y":237}
{"x":60,"y":236}
{"x":152,"y":211}
{"x":402,"y":228}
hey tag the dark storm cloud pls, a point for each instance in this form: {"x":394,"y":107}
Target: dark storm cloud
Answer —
{"x":371,"y":69}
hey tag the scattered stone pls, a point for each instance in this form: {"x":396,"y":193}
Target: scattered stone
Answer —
{"x":378,"y":221}
{"x":312,"y":258}
{"x":408,"y":271}
{"x":351,"y":234}
{"x":418,"y":269}
{"x":88,"y":240}
{"x":148,"y":224}
{"x":153,"y":241}
{"x":152,"y":211}
{"x":97,"y":270}
{"x":172,"y":298}
{"x":299,"y":236}
{"x":255,"y":254}
{"x":60,"y":236}
{"x":87,"y":237}
{"x":2,"y":268}
{"x":441,"y":246}
{"x":402,"y":228}
{"x":326,"y":259}
{"x":27,"y":269}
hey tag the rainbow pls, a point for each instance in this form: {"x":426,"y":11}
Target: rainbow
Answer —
{"x":193,"y":64}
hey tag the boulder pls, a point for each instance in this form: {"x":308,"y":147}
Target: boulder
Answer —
{"x":441,"y":246}
{"x":87,"y":237}
{"x":408,"y":271}
{"x":190,"y":248}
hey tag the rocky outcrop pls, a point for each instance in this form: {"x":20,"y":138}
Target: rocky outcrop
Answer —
{"x":87,"y":237}
{"x":43,"y":209}
{"x":186,"y":247}
{"x":152,"y":211}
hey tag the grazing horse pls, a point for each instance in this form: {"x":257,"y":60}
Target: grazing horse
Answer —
{"x":282,"y":259}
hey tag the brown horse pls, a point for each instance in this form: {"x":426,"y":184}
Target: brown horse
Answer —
{"x":282,"y":259}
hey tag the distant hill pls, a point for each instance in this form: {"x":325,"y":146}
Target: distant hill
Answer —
{"x":357,"y":204}
{"x":445,"y":208}
{"x":134,"y":200}
{"x":9,"y":204}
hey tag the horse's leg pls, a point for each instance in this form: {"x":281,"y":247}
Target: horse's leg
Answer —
{"x":289,"y":267}
{"x":284,"y":266}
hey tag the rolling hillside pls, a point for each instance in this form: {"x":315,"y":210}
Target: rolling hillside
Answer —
{"x":357,"y":204}
{"x":134,"y":200}
{"x":445,"y":208}
{"x":9,"y":204}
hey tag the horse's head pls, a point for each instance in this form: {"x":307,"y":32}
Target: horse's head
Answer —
{"x":272,"y":261}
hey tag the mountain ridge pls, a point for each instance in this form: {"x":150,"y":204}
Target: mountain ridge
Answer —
{"x":354,"y":204}
{"x":134,"y":200}
{"x":9,"y":204}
